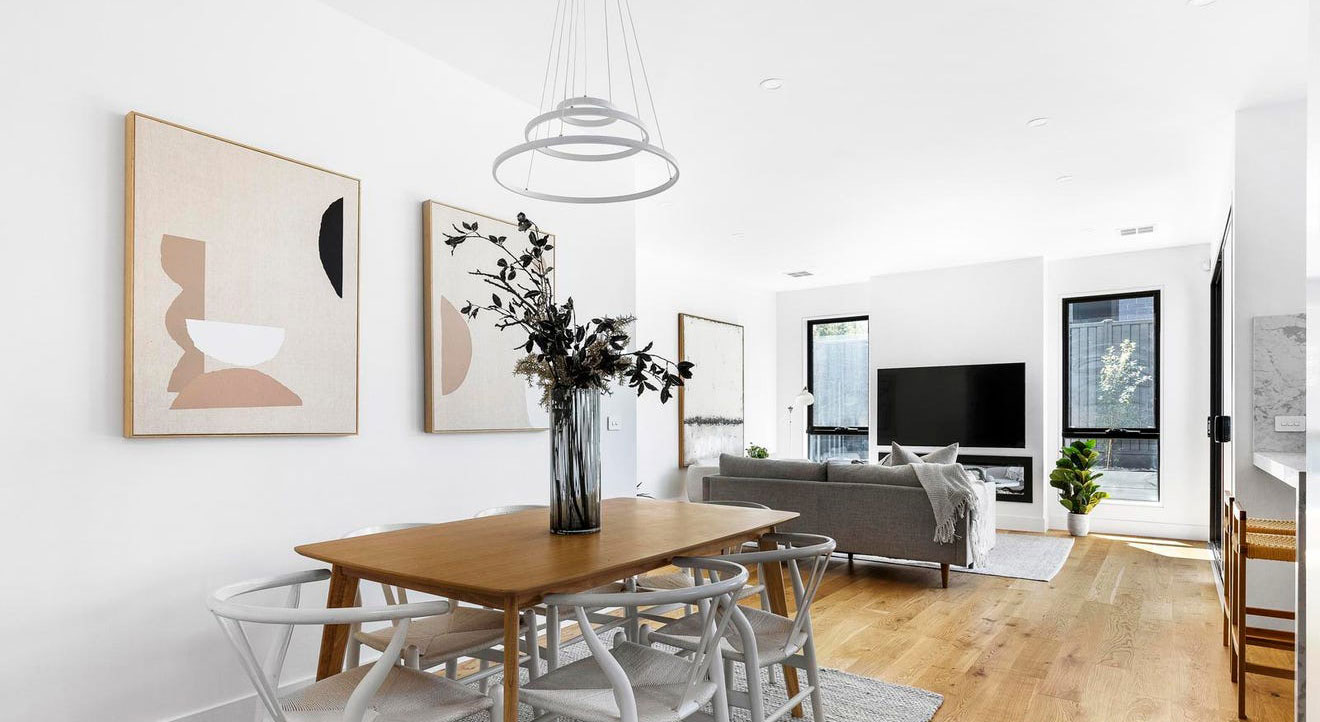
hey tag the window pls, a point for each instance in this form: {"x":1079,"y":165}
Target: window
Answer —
{"x":838,"y":375}
{"x":1111,"y":387}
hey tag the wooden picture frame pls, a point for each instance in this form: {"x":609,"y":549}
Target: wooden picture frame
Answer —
{"x":711,"y":429}
{"x":496,"y":401}
{"x":184,"y":181}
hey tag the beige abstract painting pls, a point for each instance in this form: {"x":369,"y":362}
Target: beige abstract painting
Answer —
{"x":470,"y":385}
{"x":241,"y":289}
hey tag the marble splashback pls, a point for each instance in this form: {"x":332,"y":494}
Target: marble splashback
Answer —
{"x":1278,"y":380}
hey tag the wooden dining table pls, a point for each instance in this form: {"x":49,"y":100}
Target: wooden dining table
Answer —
{"x":511,"y":562}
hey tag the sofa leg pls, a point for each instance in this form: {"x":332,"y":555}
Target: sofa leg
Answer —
{"x":849,"y":558}
{"x":944,"y":575}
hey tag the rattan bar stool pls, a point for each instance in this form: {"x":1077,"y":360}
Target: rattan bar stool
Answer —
{"x":1247,"y":545}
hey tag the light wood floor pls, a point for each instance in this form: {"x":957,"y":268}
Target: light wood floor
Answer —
{"x":1130,"y":629}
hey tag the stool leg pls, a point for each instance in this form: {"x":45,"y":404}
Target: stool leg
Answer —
{"x":1240,"y":605}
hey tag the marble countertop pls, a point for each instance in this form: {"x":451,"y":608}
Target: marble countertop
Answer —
{"x":1288,"y":468}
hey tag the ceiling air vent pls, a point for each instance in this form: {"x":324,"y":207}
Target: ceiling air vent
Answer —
{"x":797,"y":274}
{"x":1136,"y":230}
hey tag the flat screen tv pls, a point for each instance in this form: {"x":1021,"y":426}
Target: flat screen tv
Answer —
{"x":982,"y":405}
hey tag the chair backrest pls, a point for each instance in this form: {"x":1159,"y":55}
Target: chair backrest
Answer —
{"x":715,"y":600}
{"x":393,"y":595}
{"x":508,"y":509}
{"x":794,"y":551}
{"x":231,"y":614}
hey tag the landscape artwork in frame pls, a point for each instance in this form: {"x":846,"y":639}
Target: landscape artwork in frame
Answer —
{"x":240,"y":289}
{"x":470,"y":384}
{"x":1009,"y":475}
{"x":710,"y":404}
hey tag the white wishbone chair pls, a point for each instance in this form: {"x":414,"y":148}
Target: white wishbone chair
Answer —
{"x":636,"y":683}
{"x":383,"y":690}
{"x":464,"y":631}
{"x":759,"y":638}
{"x":603,"y":622}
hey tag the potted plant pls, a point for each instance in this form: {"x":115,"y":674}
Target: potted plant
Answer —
{"x":573,"y":364}
{"x":758,"y":452}
{"x":1078,"y":492}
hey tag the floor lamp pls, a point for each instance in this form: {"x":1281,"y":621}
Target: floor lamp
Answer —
{"x":803,"y":399}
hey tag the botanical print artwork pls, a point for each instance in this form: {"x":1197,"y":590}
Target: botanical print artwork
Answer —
{"x":711,"y":403}
{"x":241,"y":298}
{"x":470,"y":381}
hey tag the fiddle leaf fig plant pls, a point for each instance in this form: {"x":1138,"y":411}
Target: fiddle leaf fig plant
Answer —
{"x":1072,"y":476}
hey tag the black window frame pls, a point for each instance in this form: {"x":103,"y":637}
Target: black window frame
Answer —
{"x":811,"y":367}
{"x":1079,"y":432}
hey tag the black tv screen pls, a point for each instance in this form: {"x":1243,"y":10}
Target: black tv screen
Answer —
{"x":982,"y":405}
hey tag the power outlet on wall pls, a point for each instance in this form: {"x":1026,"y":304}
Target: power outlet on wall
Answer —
{"x":613,"y":423}
{"x":1290,"y":423}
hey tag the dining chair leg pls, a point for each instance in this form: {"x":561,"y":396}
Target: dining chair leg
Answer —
{"x":720,"y":704}
{"x":1240,"y":614}
{"x":755,"y":695}
{"x":533,"y":645}
{"x":813,"y":676}
{"x":633,"y":625}
{"x":728,"y":685}
{"x":413,"y":658}
{"x":484,"y":684}
{"x":451,"y":669}
{"x":353,"y":656}
{"x":497,"y":709}
{"x":552,"y":638}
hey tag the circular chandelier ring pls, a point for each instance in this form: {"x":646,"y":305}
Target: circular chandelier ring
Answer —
{"x":611,"y":113}
{"x":636,"y":146}
{"x":586,"y":102}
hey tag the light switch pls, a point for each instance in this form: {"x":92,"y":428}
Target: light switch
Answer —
{"x":1290,"y":423}
{"x":612,"y":423}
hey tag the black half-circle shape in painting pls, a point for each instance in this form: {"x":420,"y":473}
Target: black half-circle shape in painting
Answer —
{"x":332,"y":245}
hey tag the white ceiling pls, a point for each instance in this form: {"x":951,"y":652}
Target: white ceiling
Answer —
{"x":899,"y":139}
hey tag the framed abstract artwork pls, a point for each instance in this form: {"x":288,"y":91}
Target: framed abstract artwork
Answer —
{"x":710,"y":404}
{"x":470,"y":384}
{"x":240,"y":289}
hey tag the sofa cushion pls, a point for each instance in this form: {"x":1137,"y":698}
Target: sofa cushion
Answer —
{"x":900,"y":455}
{"x":873,"y":474}
{"x":747,"y":468}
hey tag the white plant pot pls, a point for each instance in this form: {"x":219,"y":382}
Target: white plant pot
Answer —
{"x":1079,"y":524}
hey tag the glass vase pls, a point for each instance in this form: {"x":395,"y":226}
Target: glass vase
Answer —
{"x":575,"y":461}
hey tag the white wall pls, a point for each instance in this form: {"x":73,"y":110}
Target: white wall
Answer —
{"x":1269,"y":210}
{"x":986,"y":313}
{"x":666,"y":287}
{"x":111,"y":544}
{"x":1179,"y":275}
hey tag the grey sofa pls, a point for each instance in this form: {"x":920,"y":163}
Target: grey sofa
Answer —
{"x":866,"y":508}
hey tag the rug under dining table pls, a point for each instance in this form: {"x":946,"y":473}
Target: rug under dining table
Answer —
{"x":848,"y":697}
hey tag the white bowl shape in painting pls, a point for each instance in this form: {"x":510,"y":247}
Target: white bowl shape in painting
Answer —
{"x":240,"y":344}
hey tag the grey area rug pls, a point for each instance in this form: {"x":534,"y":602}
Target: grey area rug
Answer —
{"x":1020,"y":556}
{"x":848,"y":697}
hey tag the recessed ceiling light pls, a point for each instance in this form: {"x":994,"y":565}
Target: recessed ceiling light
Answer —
{"x":1038,"y":122}
{"x":1064,"y":179}
{"x":1200,"y":3}
{"x":797,"y":274}
{"x":772,"y":83}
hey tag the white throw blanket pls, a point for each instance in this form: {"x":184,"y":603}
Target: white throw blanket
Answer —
{"x":952,"y":496}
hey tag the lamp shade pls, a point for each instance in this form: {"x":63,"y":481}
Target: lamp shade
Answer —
{"x":804,"y":399}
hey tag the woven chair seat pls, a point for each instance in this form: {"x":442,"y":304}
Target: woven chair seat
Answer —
{"x":582,"y":691}
{"x":1276,"y":547}
{"x":460,"y":633}
{"x":679,"y":579}
{"x":1271,"y":526}
{"x":771,"y":631}
{"x":406,"y":696}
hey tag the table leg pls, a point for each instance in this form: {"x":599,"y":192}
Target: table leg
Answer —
{"x":774,"y":585}
{"x":511,"y":618}
{"x":334,"y":637}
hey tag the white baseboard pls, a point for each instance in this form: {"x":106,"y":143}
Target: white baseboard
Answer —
{"x":243,"y":709}
{"x":1154,"y":529}
{"x":1019,"y":523}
